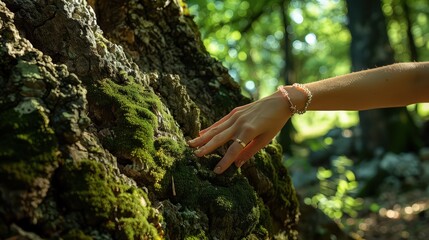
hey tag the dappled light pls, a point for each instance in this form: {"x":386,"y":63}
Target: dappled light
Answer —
{"x":256,"y":30}
{"x":403,"y":218}
{"x":378,"y":192}
{"x":407,"y":212}
{"x":214,"y":119}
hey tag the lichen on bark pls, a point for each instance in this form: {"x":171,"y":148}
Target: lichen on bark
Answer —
{"x":100,"y":116}
{"x":44,"y":142}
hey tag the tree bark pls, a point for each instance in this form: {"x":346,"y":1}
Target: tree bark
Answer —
{"x":96,"y":104}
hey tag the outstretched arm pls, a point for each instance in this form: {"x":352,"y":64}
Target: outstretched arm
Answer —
{"x":257,"y":123}
{"x":390,"y":86}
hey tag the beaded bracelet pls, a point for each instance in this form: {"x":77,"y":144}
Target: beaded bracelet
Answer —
{"x":285,"y":94}
{"x":292,"y":106}
{"x":309,"y":96}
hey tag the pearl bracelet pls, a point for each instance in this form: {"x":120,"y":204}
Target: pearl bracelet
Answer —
{"x":292,"y":107}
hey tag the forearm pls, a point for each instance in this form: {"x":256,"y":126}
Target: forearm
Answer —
{"x":390,"y":86}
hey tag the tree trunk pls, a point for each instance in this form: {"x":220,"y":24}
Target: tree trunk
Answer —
{"x":414,"y":56}
{"x":286,"y":136}
{"x":386,"y":129}
{"x":96,"y":104}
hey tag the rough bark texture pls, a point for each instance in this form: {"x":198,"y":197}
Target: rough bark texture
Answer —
{"x":96,"y":102}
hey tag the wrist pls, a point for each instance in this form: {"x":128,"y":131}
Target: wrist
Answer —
{"x":297,"y":96}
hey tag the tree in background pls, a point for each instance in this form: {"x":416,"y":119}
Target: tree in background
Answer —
{"x":385,"y":129}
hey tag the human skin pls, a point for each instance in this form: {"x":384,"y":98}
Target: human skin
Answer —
{"x":257,"y":123}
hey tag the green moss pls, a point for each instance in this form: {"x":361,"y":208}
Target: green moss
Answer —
{"x":125,"y":77}
{"x":86,"y":187}
{"x":170,"y":145}
{"x":278,"y":195}
{"x":230,"y":202}
{"x":271,"y":165}
{"x":90,"y":188}
{"x":101,"y":40}
{"x":76,"y":234}
{"x":28,"y":147}
{"x":167,"y":151}
{"x":200,"y":236}
{"x":135,"y":123}
{"x":137,"y":115}
{"x":265,"y":227}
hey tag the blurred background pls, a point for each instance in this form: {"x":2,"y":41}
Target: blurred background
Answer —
{"x":367,"y":171}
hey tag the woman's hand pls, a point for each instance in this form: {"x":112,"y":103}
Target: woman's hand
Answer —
{"x":254,"y":124}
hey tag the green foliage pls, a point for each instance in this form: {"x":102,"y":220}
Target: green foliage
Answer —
{"x":249,"y":38}
{"x":337,"y":187}
{"x":396,"y":15}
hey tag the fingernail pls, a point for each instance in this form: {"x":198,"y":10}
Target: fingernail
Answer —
{"x":217,"y":170}
{"x":240,"y":164}
{"x":191,"y":141}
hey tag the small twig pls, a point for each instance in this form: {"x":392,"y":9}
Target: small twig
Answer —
{"x":172,"y":186}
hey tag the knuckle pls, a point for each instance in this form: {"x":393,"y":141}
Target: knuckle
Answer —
{"x":234,"y":117}
{"x":249,"y":128}
{"x":240,"y":120}
{"x":236,"y":109}
{"x":214,"y":130}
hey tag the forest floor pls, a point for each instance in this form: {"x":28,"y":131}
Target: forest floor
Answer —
{"x":400,"y":216}
{"x":387,"y":215}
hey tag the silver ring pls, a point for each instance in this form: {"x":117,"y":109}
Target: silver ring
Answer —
{"x":241,"y":142}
